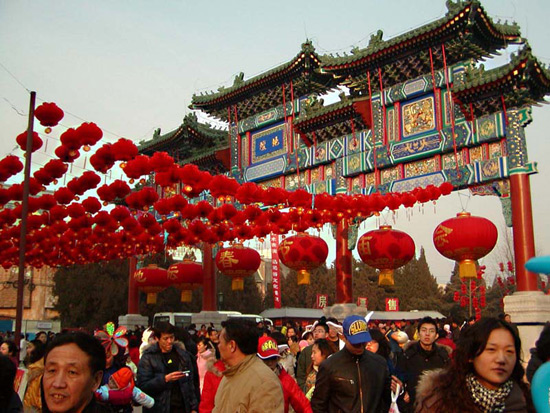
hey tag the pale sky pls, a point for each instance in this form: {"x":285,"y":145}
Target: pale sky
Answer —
{"x":132,"y":67}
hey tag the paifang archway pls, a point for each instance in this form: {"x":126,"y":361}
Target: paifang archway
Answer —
{"x":420,"y":111}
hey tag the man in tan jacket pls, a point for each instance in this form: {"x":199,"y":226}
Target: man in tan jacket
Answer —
{"x":248,"y":385}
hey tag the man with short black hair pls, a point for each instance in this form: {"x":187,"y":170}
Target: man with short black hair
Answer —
{"x":320,"y":330}
{"x":353,"y":380}
{"x":166,"y":372}
{"x":421,"y":356}
{"x":73,"y":369}
{"x":247,"y":383}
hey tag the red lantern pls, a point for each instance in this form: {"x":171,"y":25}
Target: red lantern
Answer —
{"x":185,"y":276}
{"x":238,"y":262}
{"x":386,"y":249}
{"x":151,"y":280}
{"x":49,"y":114}
{"x":465,"y":239}
{"x":303,"y":252}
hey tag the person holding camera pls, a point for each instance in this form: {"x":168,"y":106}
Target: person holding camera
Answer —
{"x":167,"y":372}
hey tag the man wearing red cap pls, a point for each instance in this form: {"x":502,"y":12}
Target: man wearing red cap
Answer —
{"x":353,"y":379}
{"x":268,"y":351}
{"x":248,"y":385}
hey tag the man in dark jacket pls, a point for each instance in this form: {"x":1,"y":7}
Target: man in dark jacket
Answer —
{"x":421,"y":356}
{"x":353,"y":380}
{"x":166,"y":373}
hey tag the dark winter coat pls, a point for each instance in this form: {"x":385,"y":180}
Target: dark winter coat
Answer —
{"x":349,"y":383}
{"x":151,"y":374}
{"x":415,"y":360}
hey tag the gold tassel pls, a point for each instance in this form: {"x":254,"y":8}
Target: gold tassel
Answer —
{"x":186,"y":296}
{"x":386,"y":277}
{"x":467,"y":269}
{"x":237,"y":284}
{"x":303,"y":277}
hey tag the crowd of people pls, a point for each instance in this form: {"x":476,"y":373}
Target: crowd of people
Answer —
{"x":358,"y":365}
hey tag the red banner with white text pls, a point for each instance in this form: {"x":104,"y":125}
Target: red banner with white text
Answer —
{"x":275,"y":275}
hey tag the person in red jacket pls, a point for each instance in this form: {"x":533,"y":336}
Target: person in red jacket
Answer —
{"x":212,"y":380}
{"x":268,"y":351}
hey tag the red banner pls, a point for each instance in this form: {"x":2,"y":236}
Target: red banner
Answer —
{"x":392,"y":304}
{"x":322,"y":300}
{"x":362,"y":302}
{"x":275,"y":267}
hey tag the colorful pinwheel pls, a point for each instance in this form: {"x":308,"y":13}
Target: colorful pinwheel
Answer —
{"x":112,"y":338}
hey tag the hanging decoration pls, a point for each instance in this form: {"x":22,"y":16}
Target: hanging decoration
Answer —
{"x":49,"y":115}
{"x":303,"y":252}
{"x":151,"y":280}
{"x":386,"y":249}
{"x":465,"y":239}
{"x":238,"y":262}
{"x":185,"y":276}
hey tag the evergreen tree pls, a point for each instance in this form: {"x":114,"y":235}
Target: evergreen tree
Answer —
{"x":247,"y":301}
{"x":91,"y":295}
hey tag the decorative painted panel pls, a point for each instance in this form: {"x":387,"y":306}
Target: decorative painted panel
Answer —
{"x":390,"y":174}
{"x":330,"y":172}
{"x":354,"y":164}
{"x":304,"y":157}
{"x":357,"y":182}
{"x":392,"y":125}
{"x":320,"y":153}
{"x":489,"y":127}
{"x":476,"y":154}
{"x":370,"y":179}
{"x":268,"y":143}
{"x":266,"y":169}
{"x":336,"y":148}
{"x":354,"y":143}
{"x":316,"y":174}
{"x":415,"y":147}
{"x":295,"y":181}
{"x":272,"y":183}
{"x":268,"y":117}
{"x":448,"y":160}
{"x":418,"y":117}
{"x":423,"y":167}
{"x":495,"y":150}
{"x":408,"y":184}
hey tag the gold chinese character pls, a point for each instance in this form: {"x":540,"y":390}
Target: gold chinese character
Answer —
{"x":262,"y":145}
{"x":227,"y":259}
{"x":275,"y":141}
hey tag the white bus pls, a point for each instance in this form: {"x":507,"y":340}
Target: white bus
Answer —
{"x":204,"y":317}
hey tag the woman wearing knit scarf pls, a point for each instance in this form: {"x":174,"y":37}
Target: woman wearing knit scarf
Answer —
{"x":486,"y":375}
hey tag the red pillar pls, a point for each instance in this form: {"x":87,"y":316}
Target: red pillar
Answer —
{"x":522,"y":221}
{"x":344,"y":293}
{"x":209,"y":302}
{"x":133,"y":293}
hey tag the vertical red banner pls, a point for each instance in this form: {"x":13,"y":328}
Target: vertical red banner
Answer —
{"x":275,"y":274}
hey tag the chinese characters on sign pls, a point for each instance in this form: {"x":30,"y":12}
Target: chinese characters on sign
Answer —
{"x":392,"y":304}
{"x":362,"y":302}
{"x":322,"y":300}
{"x":275,"y":276}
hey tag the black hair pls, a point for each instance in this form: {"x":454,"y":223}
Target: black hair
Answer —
{"x":38,"y":351}
{"x":12,"y":348}
{"x":442,"y":333}
{"x":383,"y":343}
{"x":85,"y":342}
{"x":164,"y":328}
{"x":543,"y":344}
{"x":427,"y":320}
{"x":243,"y":332}
{"x":279,"y":338}
{"x":7,"y":376}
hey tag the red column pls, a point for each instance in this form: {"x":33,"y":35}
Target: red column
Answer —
{"x":133,"y":293}
{"x":209,"y":302}
{"x":522,"y":221}
{"x":344,"y":292}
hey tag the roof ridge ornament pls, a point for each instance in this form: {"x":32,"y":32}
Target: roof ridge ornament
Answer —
{"x":376,"y":39}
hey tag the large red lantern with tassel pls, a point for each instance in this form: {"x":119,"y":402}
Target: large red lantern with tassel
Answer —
{"x":185,"y":276}
{"x":303,"y":253}
{"x":48,"y":114}
{"x":151,"y":280}
{"x":238,"y":262}
{"x":386,"y":249}
{"x":465,"y":239}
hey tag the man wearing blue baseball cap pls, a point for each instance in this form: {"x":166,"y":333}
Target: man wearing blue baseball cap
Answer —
{"x":353,"y":379}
